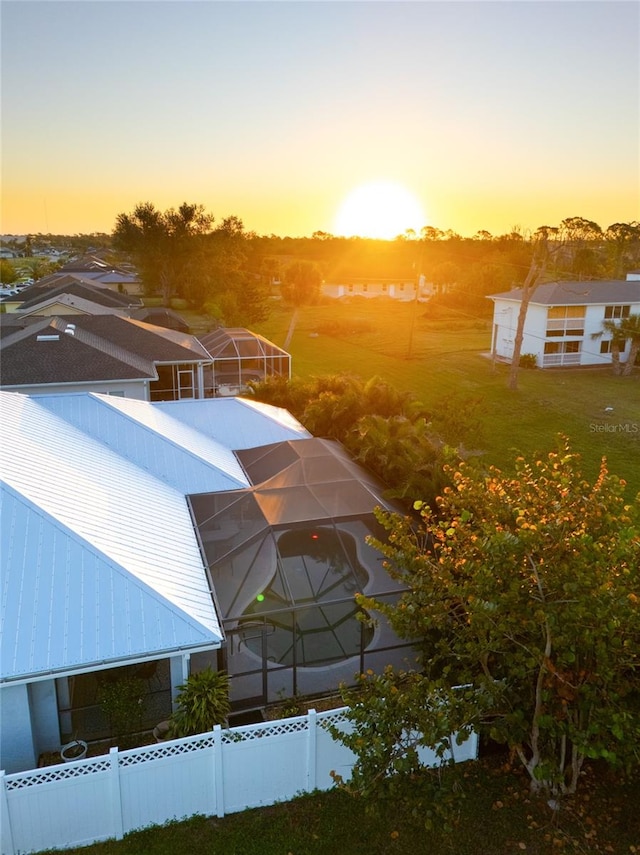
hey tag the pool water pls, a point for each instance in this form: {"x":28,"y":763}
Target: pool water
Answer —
{"x":307,"y":613}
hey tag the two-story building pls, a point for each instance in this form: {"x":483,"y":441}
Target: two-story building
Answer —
{"x":564,"y":322}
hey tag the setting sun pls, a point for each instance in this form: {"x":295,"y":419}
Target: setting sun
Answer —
{"x":381,"y":209}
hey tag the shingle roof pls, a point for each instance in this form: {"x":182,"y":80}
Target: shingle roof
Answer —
{"x":102,"y":347}
{"x":42,"y":353}
{"x":74,"y":286}
{"x":605,"y":291}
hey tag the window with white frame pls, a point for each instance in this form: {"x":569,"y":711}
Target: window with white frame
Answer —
{"x":565,"y":321}
{"x":616,"y":312}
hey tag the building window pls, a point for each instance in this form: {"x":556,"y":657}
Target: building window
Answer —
{"x":616,"y":312}
{"x":605,"y":347}
{"x":565,"y":320}
{"x":561,"y":353}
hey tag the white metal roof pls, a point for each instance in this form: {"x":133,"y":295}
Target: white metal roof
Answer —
{"x":153,"y":439}
{"x":133,"y":522}
{"x":100,"y":559}
{"x":237,"y":423}
{"x":68,"y":606}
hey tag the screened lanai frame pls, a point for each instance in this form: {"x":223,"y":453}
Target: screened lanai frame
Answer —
{"x":240,"y":357}
{"x":285,"y":559}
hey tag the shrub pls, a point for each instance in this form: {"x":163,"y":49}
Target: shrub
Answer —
{"x":203,"y":702}
{"x":528,"y":360}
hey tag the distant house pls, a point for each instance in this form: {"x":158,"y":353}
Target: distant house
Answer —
{"x":564,"y":320}
{"x":397,"y":289}
{"x":96,"y":268}
{"x":160,"y":317}
{"x":101,"y":353}
{"x":70,"y":294}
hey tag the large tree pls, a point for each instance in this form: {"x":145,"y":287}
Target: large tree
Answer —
{"x":523,"y":592}
{"x":167,"y":246}
{"x":181,"y":254}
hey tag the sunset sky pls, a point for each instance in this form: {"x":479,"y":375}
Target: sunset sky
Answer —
{"x":489,"y":115}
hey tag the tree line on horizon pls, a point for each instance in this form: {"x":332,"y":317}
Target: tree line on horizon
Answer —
{"x":224,"y":270}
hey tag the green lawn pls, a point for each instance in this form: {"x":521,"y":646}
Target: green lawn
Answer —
{"x":497,"y":816}
{"x":436,"y":359}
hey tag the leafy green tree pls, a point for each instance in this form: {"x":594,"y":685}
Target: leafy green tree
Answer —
{"x":523,"y":592}
{"x":37,"y":268}
{"x":401,"y":452}
{"x":623,"y":244}
{"x":166,"y":246}
{"x":8,"y":272}
{"x":385,"y":429}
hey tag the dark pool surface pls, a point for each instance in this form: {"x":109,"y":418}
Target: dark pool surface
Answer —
{"x":307,"y":613}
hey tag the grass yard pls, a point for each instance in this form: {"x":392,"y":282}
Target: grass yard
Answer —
{"x":436,"y":359}
{"x":497,"y":816}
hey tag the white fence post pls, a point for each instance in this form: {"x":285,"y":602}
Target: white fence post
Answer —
{"x":115,"y":796}
{"x":218,"y":769}
{"x":312,"y":740}
{"x":5,"y":819}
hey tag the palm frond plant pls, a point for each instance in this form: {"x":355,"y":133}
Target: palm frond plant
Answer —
{"x":202,"y":702}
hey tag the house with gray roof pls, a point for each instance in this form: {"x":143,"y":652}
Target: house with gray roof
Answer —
{"x":100,"y":353}
{"x":70,"y":293}
{"x":563,"y":326}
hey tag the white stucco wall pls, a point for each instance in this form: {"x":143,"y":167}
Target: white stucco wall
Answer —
{"x":505,"y":323}
{"x":505,"y":320}
{"x":17,"y":751}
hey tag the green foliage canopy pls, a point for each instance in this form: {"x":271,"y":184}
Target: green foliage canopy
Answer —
{"x":524,"y":591}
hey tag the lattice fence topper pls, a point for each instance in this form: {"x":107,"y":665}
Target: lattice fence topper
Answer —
{"x":58,"y":773}
{"x":266,"y":730}
{"x":159,"y":752}
{"x":174,"y":748}
{"x":331,"y":717}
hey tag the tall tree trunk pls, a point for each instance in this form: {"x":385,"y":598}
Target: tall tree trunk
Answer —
{"x":615,"y":357}
{"x":631,"y":359}
{"x":536,"y":271}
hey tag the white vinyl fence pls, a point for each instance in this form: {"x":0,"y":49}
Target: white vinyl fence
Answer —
{"x":225,"y":771}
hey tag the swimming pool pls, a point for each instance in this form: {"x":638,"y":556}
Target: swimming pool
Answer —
{"x":307,"y":612}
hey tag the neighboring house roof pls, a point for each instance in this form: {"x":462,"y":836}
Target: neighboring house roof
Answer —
{"x":68,"y":303}
{"x":579,"y":293}
{"x":161,"y":317}
{"x":87,"y":262}
{"x":73,"y":286}
{"x":89,"y":348}
{"x":101,"y":562}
